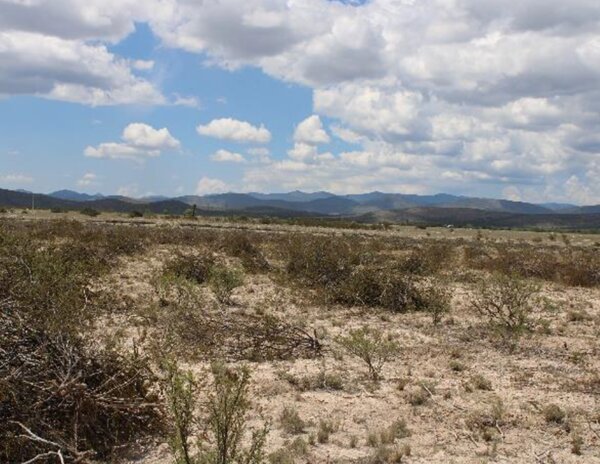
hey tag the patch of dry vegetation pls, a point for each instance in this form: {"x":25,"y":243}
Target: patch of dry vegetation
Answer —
{"x":298,"y":345}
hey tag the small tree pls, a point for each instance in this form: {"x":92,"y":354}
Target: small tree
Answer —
{"x":372,"y":346}
{"x":507,"y":303}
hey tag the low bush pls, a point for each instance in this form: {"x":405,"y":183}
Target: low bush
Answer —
{"x":507,"y":304}
{"x":290,"y":421}
{"x":224,"y":280}
{"x":90,"y":212}
{"x":372,"y":346}
{"x":58,"y":396}
{"x":196,"y":268}
{"x":222,"y":438}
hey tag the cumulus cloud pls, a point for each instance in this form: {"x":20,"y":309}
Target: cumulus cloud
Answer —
{"x":479,"y":95}
{"x":208,"y":185}
{"x":469,"y":89}
{"x":224,"y":156}
{"x":140,"y":141}
{"x":87,"y":180}
{"x":311,"y":131}
{"x":235,"y":130}
{"x":57,"y":49}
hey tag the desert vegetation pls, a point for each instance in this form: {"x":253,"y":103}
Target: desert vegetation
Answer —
{"x":171,"y":342}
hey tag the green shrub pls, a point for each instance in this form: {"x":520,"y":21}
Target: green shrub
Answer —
{"x":223,"y":280}
{"x":224,"y":423}
{"x":372,"y":347}
{"x":136,"y":214}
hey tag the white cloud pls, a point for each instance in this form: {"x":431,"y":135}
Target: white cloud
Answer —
{"x":143,"y":65}
{"x":478,"y":94}
{"x":233,"y":129}
{"x":225,"y":156}
{"x":87,"y":180}
{"x":140,"y":141}
{"x":311,"y":131}
{"x":69,"y":70}
{"x":207,"y":186}
{"x":145,"y":136}
{"x":15,"y":179}
{"x":190,"y":102}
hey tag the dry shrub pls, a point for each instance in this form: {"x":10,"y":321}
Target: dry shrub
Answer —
{"x":569,"y":265}
{"x":507,"y":304}
{"x":430,"y":258}
{"x":54,"y":387}
{"x":187,"y":325}
{"x":195,"y":268}
{"x":322,"y":261}
{"x":377,"y":287}
{"x":581,"y":268}
{"x":58,"y":393}
{"x":241,"y":245}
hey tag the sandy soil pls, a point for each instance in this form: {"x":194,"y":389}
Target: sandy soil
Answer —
{"x":558,"y":365}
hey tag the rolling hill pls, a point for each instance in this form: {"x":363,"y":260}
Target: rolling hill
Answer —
{"x":368,"y":207}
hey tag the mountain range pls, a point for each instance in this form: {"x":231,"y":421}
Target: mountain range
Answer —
{"x":367,"y":207}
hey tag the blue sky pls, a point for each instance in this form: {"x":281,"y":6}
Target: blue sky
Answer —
{"x":178,"y":97}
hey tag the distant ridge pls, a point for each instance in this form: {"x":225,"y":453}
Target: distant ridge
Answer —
{"x":367,"y":207}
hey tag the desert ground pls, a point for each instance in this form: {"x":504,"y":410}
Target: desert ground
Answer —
{"x":363,"y":345}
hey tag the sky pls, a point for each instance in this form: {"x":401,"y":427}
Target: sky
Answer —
{"x":486,"y":98}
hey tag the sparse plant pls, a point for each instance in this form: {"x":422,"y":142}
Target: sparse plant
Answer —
{"x":507,"y":303}
{"x":326,"y":428}
{"x":435,"y":300}
{"x":225,"y":418}
{"x":554,"y":414}
{"x":180,"y":392}
{"x":291,"y":422}
{"x":480,"y":382}
{"x":371,"y":346}
{"x":223,"y":280}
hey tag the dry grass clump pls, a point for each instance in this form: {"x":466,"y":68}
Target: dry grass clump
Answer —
{"x":487,"y":422}
{"x":291,"y":422}
{"x":389,"y":455}
{"x":554,"y":414}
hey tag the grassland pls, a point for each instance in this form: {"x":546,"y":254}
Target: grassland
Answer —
{"x":162,"y":340}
